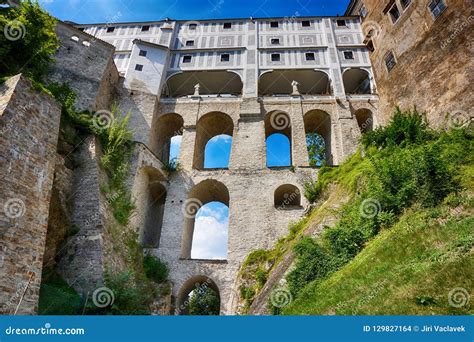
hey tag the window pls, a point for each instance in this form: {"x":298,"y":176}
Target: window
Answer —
{"x":110,"y":29}
{"x":437,"y":7}
{"x":306,"y":23}
{"x":348,"y":55}
{"x":394,"y":13}
{"x":192,"y":26}
{"x":363,"y":11}
{"x":274,"y":24}
{"x":227,"y":26}
{"x":390,"y":61}
{"x":370,"y":45}
{"x":225,"y":57}
{"x":142,"y":53}
{"x":187,"y":59}
{"x":405,"y":3}
{"x":190,"y":43}
{"x":138,"y":67}
{"x":310,"y":56}
{"x":81,"y":29}
{"x":275,"y":57}
{"x":145,"y":28}
{"x":341,"y":22}
{"x":275,"y":41}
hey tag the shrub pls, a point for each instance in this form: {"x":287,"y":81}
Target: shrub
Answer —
{"x":155,"y":269}
{"x":204,"y":301}
{"x":31,"y":40}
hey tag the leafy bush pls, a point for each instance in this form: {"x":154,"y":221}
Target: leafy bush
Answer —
{"x":29,"y":40}
{"x":155,"y":269}
{"x":204,"y":301}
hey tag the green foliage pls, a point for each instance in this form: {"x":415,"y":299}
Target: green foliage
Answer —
{"x":316,"y":149}
{"x":57,"y":297}
{"x":29,"y":40}
{"x":155,"y":269}
{"x":204,"y":301}
{"x":171,"y":166}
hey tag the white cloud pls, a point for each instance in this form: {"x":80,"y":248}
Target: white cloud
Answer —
{"x":210,"y":234}
{"x":222,"y":138}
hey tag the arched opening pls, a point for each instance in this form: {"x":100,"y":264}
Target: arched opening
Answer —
{"x":167,"y":136}
{"x":197,"y":215}
{"x":210,"y":235}
{"x":287,"y":196}
{"x":217,"y":152}
{"x":365,"y":120}
{"x":211,"y":83}
{"x":356,"y":81}
{"x":154,"y":211}
{"x":199,"y":295}
{"x":317,"y":124}
{"x":209,"y":126}
{"x":278,"y":139}
{"x":279,"y":82}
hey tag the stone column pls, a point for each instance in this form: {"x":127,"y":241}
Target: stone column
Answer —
{"x":298,"y":136}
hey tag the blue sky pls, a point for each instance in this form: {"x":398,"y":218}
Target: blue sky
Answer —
{"x":93,"y":11}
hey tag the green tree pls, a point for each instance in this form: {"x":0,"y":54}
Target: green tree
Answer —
{"x":27,"y":41}
{"x":316,"y":149}
{"x":204,"y":301}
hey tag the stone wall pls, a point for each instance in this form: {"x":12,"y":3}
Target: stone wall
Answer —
{"x":434,"y":69}
{"x":29,"y":125}
{"x":87,"y":65}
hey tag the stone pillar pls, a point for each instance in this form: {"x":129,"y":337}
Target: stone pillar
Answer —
{"x":29,"y":127}
{"x":298,"y":134}
{"x":186,"y":154}
{"x":347,"y":132}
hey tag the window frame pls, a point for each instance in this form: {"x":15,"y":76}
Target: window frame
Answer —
{"x":139,"y":67}
{"x":276,"y":57}
{"x":227,"y":26}
{"x":275,"y":41}
{"x":404,"y":7}
{"x":142,"y":53}
{"x":312,"y":59}
{"x":187,"y":59}
{"x":110,"y":29}
{"x":192,"y":26}
{"x":437,"y":6}
{"x":306,"y":21}
{"x":393,"y":59}
{"x":272,"y":24}
{"x":225,"y":55}
{"x":146,"y":28}
{"x":348,"y":52}
{"x":389,"y":12}
{"x":339,"y":21}
{"x":189,"y":43}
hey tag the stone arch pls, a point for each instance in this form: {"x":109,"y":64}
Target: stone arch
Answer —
{"x":319,"y":121}
{"x":208,"y":126}
{"x":365,"y":119}
{"x":166,"y":127}
{"x":207,"y":191}
{"x":212,"y":82}
{"x":356,"y":81}
{"x":287,"y":196}
{"x":278,"y":82}
{"x":182,"y":304}
{"x":279,"y":122}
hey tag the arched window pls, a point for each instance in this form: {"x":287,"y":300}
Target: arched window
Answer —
{"x":287,"y":196}
{"x":317,"y":124}
{"x":278,"y":139}
{"x":206,"y":213}
{"x":166,"y":138}
{"x":199,"y":295}
{"x":154,"y":211}
{"x":213,"y":125}
{"x":278,"y":82}
{"x":365,"y":120}
{"x":356,"y":81}
{"x":217,"y":152}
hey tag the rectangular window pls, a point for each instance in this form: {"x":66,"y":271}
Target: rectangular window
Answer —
{"x":145,"y":28}
{"x":275,"y":57}
{"x":225,"y":57}
{"x":405,"y":3}
{"x":310,"y":56}
{"x":190,"y":43}
{"x":275,"y":41}
{"x":227,"y":26}
{"x":187,"y":59}
{"x":394,"y":13}
{"x":390,"y":61}
{"x":437,"y":7}
{"x":341,"y":22}
{"x":110,"y":29}
{"x":138,"y":67}
{"x":142,"y":53}
{"x":363,"y":11}
{"x":274,"y":24}
{"x":306,"y":23}
{"x":348,"y":55}
{"x":370,"y":45}
{"x":192,"y":26}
